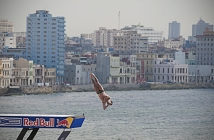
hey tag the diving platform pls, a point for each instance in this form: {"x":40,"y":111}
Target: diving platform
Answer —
{"x":34,"y":122}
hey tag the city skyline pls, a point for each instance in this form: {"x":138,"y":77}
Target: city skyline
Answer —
{"x":87,"y":16}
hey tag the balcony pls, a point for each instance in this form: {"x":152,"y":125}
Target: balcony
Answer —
{"x":61,"y":21}
{"x":61,"y":25}
{"x":61,"y":38}
{"x":61,"y":34}
{"x":61,"y":42}
{"x":61,"y":50}
{"x":61,"y":59}
{"x":61,"y":30}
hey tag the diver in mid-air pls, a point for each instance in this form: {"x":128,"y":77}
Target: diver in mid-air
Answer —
{"x":106,"y":99}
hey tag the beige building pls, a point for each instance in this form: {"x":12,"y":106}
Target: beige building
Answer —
{"x":6,"y":26}
{"x":6,"y":76}
{"x":145,"y":65}
{"x":50,"y":76}
{"x":23,"y":72}
{"x":105,"y":37}
{"x":1,"y":72}
{"x":131,"y":42}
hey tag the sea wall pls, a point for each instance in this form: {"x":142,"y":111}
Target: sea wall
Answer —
{"x":107,"y":87}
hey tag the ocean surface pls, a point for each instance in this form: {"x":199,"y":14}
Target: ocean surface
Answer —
{"x":134,"y":115}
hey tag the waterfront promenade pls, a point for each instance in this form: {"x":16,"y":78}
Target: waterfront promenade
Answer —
{"x":107,"y":87}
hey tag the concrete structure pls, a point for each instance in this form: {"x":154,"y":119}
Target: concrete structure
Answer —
{"x":201,"y":73}
{"x":167,"y":70}
{"x":78,"y":74}
{"x":7,"y":40}
{"x":50,"y":76}
{"x":205,"y":48}
{"x":45,"y":41}
{"x":6,"y":26}
{"x":174,"y":30}
{"x":1,"y":72}
{"x":105,"y":37}
{"x":23,"y":72}
{"x":103,"y":67}
{"x":131,"y":42}
{"x":176,"y":44}
{"x":153,"y":36}
{"x":199,"y":28}
{"x":180,"y":57}
{"x":38,"y":74}
{"x":6,"y":76}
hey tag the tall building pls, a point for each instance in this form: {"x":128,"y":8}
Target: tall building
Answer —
{"x":174,"y":30}
{"x":6,"y":26}
{"x":45,"y":41}
{"x":199,"y":28}
{"x":205,"y":48}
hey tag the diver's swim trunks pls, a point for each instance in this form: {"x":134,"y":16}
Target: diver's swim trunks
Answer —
{"x":100,"y":91}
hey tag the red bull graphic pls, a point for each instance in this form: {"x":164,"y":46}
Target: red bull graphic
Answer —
{"x":65,"y":122}
{"x":41,"y":122}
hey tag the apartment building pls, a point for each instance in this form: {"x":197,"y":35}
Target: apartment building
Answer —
{"x":6,"y":76}
{"x":7,"y":40}
{"x":105,"y":37}
{"x":131,"y":42}
{"x":205,"y":48}
{"x":168,"y":70}
{"x":6,"y":26}
{"x":45,"y":41}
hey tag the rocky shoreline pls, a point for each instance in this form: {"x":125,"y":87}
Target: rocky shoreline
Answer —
{"x":107,"y":87}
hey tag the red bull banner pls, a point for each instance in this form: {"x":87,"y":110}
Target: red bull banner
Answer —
{"x":41,"y":121}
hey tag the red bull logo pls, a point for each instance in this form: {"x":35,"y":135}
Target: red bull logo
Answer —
{"x":65,"y":122}
{"x":38,"y":122}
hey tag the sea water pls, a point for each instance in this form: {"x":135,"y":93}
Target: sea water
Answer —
{"x":134,"y":115}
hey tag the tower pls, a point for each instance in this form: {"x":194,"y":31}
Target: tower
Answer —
{"x":45,"y":41}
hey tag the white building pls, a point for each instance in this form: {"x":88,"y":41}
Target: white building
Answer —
{"x":167,"y":70}
{"x":175,"y":44}
{"x":153,"y":36}
{"x":6,"y":26}
{"x":174,"y":30}
{"x":180,"y":57}
{"x":7,"y":40}
{"x":201,"y":73}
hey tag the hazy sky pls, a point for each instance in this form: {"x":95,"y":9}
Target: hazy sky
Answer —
{"x":85,"y":16}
